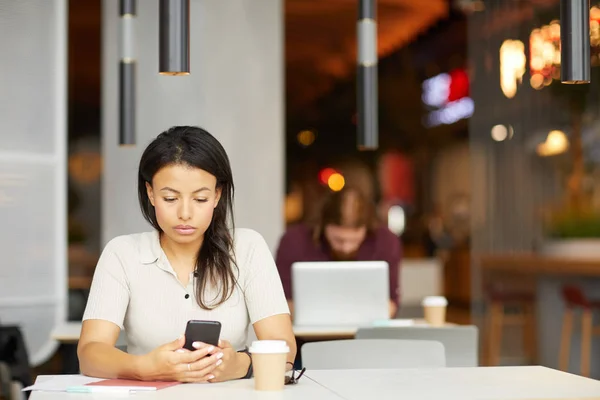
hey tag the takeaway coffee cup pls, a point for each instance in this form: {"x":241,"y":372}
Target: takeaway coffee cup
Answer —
{"x":434,"y":308}
{"x":269,"y":359}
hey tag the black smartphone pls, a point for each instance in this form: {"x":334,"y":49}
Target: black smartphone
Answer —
{"x":202,"y":331}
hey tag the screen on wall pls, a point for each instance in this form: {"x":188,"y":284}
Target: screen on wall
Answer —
{"x":446,"y":98}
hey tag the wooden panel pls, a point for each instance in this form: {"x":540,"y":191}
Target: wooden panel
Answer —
{"x":457,"y":277}
{"x":530,"y":263}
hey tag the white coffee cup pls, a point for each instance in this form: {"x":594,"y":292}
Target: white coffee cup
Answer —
{"x":434,"y":308}
{"x":269,"y":358}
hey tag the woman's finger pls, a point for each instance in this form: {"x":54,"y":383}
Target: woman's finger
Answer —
{"x":215,"y":376}
{"x":185,"y":369}
{"x":202,"y":375}
{"x":217,"y":371}
{"x":182,"y":351}
{"x":208,"y":372}
{"x":214,"y":359}
{"x":193,"y":356}
{"x":215,"y":350}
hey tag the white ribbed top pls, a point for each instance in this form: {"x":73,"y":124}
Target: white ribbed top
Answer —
{"x":136,"y":288}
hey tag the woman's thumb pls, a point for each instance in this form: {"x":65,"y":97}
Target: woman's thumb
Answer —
{"x":177,"y":343}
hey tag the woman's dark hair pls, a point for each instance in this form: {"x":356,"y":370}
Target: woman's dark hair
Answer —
{"x":195,"y":147}
{"x":348,"y":207}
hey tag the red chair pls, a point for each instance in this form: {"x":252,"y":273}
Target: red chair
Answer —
{"x":509,"y":306}
{"x":576,"y":300}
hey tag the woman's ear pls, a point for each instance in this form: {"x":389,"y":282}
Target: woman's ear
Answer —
{"x":150,"y":193}
{"x":218,"y":192}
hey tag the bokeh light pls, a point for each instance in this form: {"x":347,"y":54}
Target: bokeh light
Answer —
{"x":306,"y":137}
{"x":336,"y":182}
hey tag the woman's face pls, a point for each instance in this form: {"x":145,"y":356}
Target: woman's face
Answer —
{"x":184,"y":200}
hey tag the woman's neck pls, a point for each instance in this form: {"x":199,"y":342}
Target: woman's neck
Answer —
{"x":181,"y":256}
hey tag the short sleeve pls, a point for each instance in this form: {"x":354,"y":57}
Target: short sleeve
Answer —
{"x":109,"y":293}
{"x":263,"y":290}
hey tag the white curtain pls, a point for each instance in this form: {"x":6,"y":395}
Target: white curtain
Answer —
{"x":33,"y":131}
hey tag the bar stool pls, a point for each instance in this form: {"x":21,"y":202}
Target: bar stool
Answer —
{"x":509,"y":307}
{"x":575,"y":299}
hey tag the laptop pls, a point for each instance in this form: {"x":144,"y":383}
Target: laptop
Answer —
{"x":340,"y":293}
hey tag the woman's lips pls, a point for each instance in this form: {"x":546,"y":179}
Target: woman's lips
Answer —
{"x":185,"y":229}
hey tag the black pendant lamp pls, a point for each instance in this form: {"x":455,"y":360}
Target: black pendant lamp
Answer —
{"x":127,"y":11}
{"x":575,"y":41}
{"x":174,"y":37}
{"x":367,"y":119}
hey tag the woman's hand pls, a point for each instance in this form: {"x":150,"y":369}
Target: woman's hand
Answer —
{"x":171,"y":362}
{"x":232,"y":365}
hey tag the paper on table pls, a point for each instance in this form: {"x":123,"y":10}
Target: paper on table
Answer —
{"x":60,"y":383}
{"x":64,"y":383}
{"x":142,"y":385}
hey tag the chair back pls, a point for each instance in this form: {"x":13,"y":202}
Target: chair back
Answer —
{"x":373,"y":354}
{"x":461,"y":342}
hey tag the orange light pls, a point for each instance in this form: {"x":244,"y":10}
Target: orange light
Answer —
{"x":336,"y":182}
{"x":325,"y":174}
{"x":306,"y":138}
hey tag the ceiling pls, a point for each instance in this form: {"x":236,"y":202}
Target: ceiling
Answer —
{"x":321,"y":40}
{"x":320,"y":43}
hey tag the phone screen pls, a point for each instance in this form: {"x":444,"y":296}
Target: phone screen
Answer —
{"x":202,"y":331}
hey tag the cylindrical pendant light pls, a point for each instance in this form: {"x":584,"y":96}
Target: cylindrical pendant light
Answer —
{"x":575,"y":41}
{"x":174,"y":37}
{"x":127,"y":74}
{"x":367,"y":120}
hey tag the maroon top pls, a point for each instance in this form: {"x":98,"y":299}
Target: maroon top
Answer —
{"x":297,"y":244}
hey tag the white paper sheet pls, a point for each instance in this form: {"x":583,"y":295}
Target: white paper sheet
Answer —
{"x":60,"y":383}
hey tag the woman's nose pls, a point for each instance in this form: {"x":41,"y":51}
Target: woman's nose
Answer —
{"x":185,"y":212}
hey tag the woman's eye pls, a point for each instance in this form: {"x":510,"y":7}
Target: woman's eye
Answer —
{"x":201,"y":200}
{"x":169,"y":199}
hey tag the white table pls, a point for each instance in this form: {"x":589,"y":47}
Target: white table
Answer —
{"x":234,"y":390}
{"x":349,"y":332}
{"x":483,"y":383}
{"x":324,"y":332}
{"x":69,"y":332}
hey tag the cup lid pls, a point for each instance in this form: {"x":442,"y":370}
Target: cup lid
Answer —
{"x":269,"y":346}
{"x":435,"y":301}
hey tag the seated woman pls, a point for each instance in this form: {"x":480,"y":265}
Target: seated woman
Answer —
{"x":191,"y":266}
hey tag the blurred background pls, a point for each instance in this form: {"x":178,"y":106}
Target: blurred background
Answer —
{"x":487,"y":168}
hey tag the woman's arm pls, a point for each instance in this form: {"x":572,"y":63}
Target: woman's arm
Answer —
{"x":235,"y":365}
{"x":99,"y":358}
{"x":277,"y":327}
{"x":265,"y":297}
{"x":104,"y":314}
{"x":393,"y":309}
{"x":98,"y":355}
